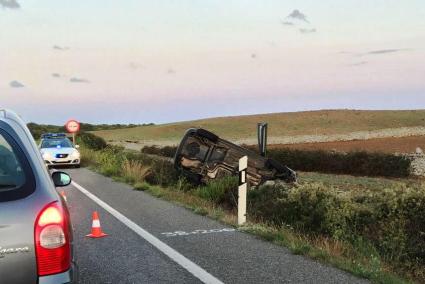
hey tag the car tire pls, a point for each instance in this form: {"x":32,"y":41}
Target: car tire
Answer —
{"x":77,"y":166}
{"x":209,"y":135}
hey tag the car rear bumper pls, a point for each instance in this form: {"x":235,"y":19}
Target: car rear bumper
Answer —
{"x":68,"y":277}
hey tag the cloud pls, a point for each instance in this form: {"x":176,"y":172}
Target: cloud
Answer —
{"x":384,"y":51}
{"x":136,"y":66}
{"x":10,"y":4}
{"x":78,"y":80}
{"x":287,"y":23}
{"x":296,"y":14}
{"x":379,"y":51}
{"x":16,"y":84}
{"x":57,"y":47}
{"x":56,"y":75}
{"x":171,"y":71}
{"x":358,"y":63}
{"x":307,"y":31}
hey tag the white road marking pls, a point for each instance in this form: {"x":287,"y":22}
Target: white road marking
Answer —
{"x":196,"y":232}
{"x":180,"y":259}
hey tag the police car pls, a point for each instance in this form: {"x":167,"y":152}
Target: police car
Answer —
{"x":57,"y":149}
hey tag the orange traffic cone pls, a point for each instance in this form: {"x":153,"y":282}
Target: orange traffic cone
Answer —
{"x":64,"y":196}
{"x":96,"y":230}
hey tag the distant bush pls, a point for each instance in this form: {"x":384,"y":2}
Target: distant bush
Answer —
{"x":392,"y":221}
{"x":91,"y":141}
{"x":352,"y":163}
{"x":38,"y":129}
{"x":167,"y":151}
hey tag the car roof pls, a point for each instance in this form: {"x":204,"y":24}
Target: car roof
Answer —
{"x":8,"y":114}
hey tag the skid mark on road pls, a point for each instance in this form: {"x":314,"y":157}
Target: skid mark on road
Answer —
{"x":180,"y":259}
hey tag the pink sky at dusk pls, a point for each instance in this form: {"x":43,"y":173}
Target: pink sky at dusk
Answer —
{"x":137,"y":61}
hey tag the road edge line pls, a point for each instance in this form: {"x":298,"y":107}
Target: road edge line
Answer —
{"x":177,"y":257}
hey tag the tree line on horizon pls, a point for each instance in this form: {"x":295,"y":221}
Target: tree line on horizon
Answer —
{"x":38,"y":129}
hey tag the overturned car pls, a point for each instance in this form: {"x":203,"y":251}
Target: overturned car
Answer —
{"x":203,"y":156}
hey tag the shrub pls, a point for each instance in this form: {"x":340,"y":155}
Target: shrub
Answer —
{"x":134,"y":171}
{"x":92,"y":141}
{"x":109,"y":161}
{"x":183,"y":185}
{"x":220,"y":191}
{"x":167,"y":151}
{"x":88,"y":157}
{"x":162,"y":173}
{"x":353,"y":163}
{"x":392,"y":221}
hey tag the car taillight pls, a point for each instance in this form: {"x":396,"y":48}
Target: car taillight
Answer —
{"x":52,"y":240}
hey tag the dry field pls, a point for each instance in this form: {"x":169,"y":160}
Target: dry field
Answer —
{"x":281,"y":125}
{"x":386,"y":145}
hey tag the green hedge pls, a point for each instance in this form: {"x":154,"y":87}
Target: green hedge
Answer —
{"x":167,"y":151}
{"x":392,"y":221}
{"x":91,"y":141}
{"x":352,"y":163}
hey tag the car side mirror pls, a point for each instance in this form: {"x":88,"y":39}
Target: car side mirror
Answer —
{"x":61,"y":179}
{"x":77,"y":146}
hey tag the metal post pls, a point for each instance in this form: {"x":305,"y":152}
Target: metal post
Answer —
{"x":262,"y":138}
{"x":73,"y":138}
{"x":243,"y":165}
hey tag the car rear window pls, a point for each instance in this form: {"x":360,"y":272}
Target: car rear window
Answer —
{"x":16,"y":179}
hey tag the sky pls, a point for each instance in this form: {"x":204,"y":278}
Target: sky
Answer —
{"x":137,"y":61}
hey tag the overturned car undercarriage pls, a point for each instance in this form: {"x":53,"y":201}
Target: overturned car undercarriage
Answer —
{"x":203,"y":156}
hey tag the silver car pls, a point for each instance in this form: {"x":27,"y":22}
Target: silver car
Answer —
{"x":35,"y":228}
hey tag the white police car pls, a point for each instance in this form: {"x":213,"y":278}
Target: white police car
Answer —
{"x":57,"y":150}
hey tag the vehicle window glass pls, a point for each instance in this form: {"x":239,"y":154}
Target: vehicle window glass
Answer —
{"x":195,"y":150}
{"x":11,"y":172}
{"x":218,"y":154}
{"x":56,"y":143}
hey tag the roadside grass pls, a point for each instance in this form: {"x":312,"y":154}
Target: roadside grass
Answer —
{"x":358,"y":257}
{"x":356,"y":260}
{"x":134,"y":171}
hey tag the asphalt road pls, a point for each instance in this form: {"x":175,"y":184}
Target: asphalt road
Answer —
{"x":126,"y":257}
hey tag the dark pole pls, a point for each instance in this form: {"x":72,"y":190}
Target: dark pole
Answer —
{"x":262,"y":138}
